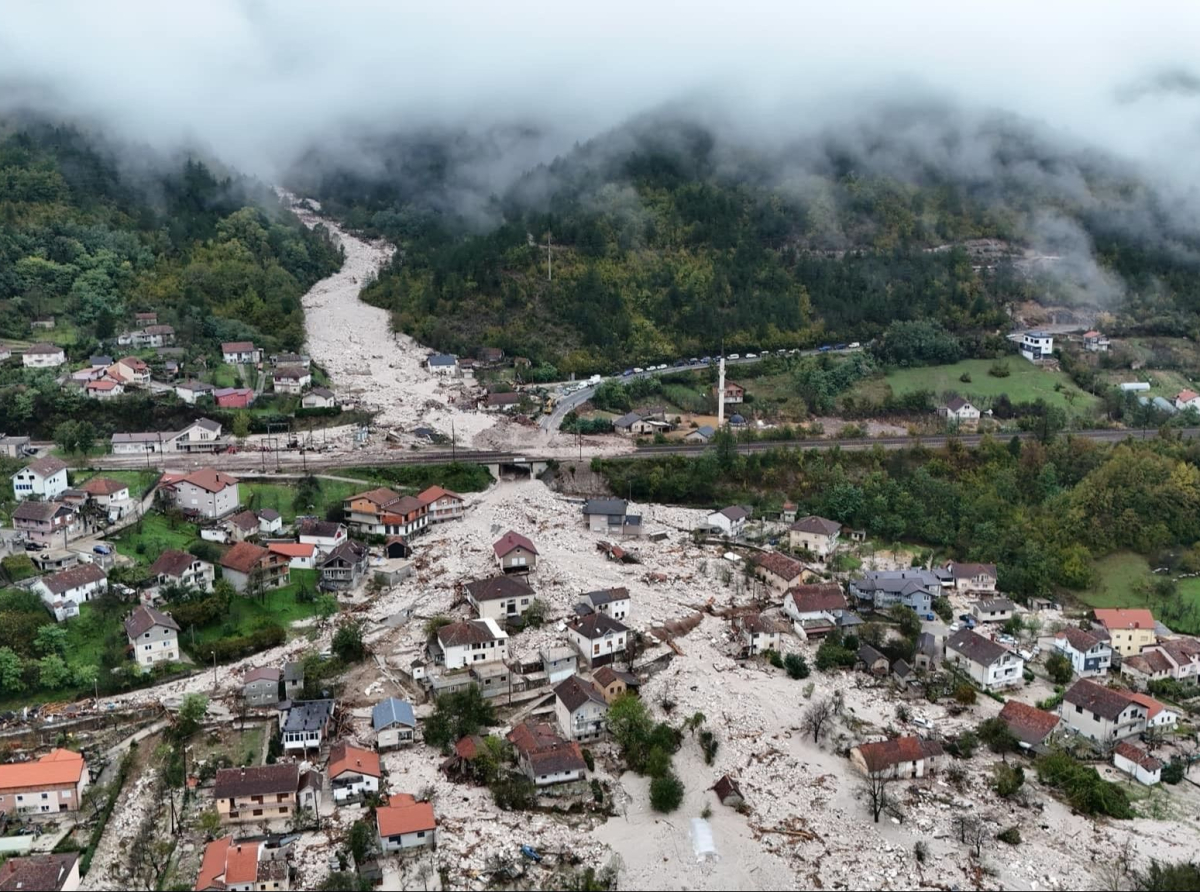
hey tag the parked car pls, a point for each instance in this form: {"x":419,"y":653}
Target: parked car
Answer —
{"x":855,"y":345}
{"x":102,"y":549}
{"x":824,"y":348}
{"x":752,"y":356}
{"x":34,"y":546}
{"x":840,"y":346}
{"x":954,"y":627}
{"x":626,"y":373}
{"x":695,"y":361}
{"x":638,"y":371}
{"x":735,"y":356}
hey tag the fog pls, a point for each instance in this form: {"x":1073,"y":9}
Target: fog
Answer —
{"x":257,"y":83}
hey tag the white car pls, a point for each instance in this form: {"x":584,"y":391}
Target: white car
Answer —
{"x":661,"y":366}
{"x":954,"y":627}
{"x":752,"y":356}
{"x":638,"y":371}
{"x":735,"y":356}
{"x":854,"y":345}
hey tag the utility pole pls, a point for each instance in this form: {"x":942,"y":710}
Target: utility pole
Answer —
{"x":453,"y":444}
{"x":549,"y":260}
{"x":214,"y":669}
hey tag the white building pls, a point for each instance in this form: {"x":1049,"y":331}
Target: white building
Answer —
{"x":64,"y":591}
{"x":153,"y":636}
{"x":190,"y":391}
{"x":599,"y":638}
{"x":1136,"y":762}
{"x":990,"y":665}
{"x":461,"y":645}
{"x":182,"y":569}
{"x":442,"y":364}
{"x":1101,"y":714}
{"x":1089,"y":654}
{"x":559,"y":663}
{"x":354,"y":773}
{"x":729,"y":521}
{"x":758,"y":634}
{"x":613,"y":602}
{"x":234,"y":352}
{"x":324,"y":534}
{"x":579,"y":708}
{"x":816,"y":535}
{"x":46,"y":477}
{"x":900,"y":757}
{"x":405,"y":823}
{"x":319,"y":398}
{"x":993,"y":610}
{"x":499,"y":597}
{"x":291,"y":379}
{"x":43,"y":356}
{"x":959,"y":411}
{"x":1037,"y":345}
{"x":208,"y":493}
{"x":394,"y":722}
{"x":1187,"y":399}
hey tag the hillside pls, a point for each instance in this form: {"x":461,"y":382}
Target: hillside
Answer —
{"x":666,"y":237}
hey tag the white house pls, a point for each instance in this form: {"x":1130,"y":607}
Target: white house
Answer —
{"x":1089,"y":654}
{"x":111,"y":495}
{"x":46,"y":477}
{"x":270,"y":521}
{"x":353,"y":772}
{"x":208,"y":493}
{"x":993,"y":610}
{"x":240,"y":351}
{"x":579,"y":708}
{"x":300,"y":555}
{"x":990,"y":665}
{"x":319,"y":398}
{"x":967,"y":578}
{"x":815,"y":604}
{"x":959,"y":411}
{"x":1037,"y":345}
{"x":405,"y":823}
{"x":1101,"y":714}
{"x":153,"y":636}
{"x":499,"y":597}
{"x":291,"y":379}
{"x":394,"y":722}
{"x":190,"y":391}
{"x":1187,"y":399}
{"x":545,"y":757}
{"x":305,"y":723}
{"x":758,"y":634}
{"x":442,"y":364}
{"x":778,"y":570}
{"x":598,"y":638}
{"x":816,"y":535}
{"x":559,"y":663}
{"x":43,"y":356}
{"x":1177,"y":658}
{"x":65,"y":590}
{"x":729,"y":521}
{"x":460,"y":645}
{"x":202,"y":435}
{"x":1135,"y":761}
{"x":900,"y":757}
{"x":614,"y":602}
{"x":182,"y":569}
{"x":324,"y":534}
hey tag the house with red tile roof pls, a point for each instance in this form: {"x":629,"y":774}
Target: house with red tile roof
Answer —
{"x":899,"y":757}
{"x":1187,"y":399}
{"x":354,"y":772}
{"x":1136,"y":762}
{"x":49,"y":785}
{"x":1031,"y":726}
{"x":230,"y":865}
{"x":248,"y":566}
{"x":405,"y":823}
{"x":206,"y":493}
{"x":442,"y":504}
{"x":44,"y":873}
{"x":515,"y":553}
{"x":779,"y":571}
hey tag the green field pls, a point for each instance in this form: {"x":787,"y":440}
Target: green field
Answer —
{"x":1025,"y":383}
{"x":280,"y":497}
{"x":278,"y":606}
{"x":155,"y":537}
{"x":86,"y":633}
{"x":1163,"y":382}
{"x":1120,"y":579}
{"x":139,"y":481}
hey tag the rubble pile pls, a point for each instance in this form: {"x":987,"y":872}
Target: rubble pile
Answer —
{"x":109,"y":869}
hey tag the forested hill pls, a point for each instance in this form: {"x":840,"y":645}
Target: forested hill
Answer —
{"x":666,"y":238}
{"x":91,"y":243}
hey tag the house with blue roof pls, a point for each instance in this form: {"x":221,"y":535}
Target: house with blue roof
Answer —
{"x":394,"y":722}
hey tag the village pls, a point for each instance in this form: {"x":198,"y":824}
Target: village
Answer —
{"x":538,"y":685}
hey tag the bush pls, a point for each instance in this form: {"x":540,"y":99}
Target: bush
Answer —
{"x":1082,"y":787}
{"x":535,"y":614}
{"x":834,"y":656}
{"x":348,"y":642}
{"x":796,"y":666}
{"x":964,"y":745}
{"x":774,"y":658}
{"x":1172,"y":772}
{"x":943,"y":609}
{"x":658,"y":762}
{"x":1007,"y":779}
{"x":666,"y":793}
{"x":999,"y":369}
{"x":458,"y":715}
{"x":513,"y":792}
{"x":1058,"y":667}
{"x":597,"y":791}
{"x":709,"y":745}
{"x":1012,"y":836}
{"x":965,"y":694}
{"x":589,"y":760}
{"x":965,"y":377}
{"x":921,"y":851}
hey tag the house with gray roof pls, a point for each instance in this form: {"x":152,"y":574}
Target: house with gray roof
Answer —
{"x":305,"y":723}
{"x":394,"y":722}
{"x":611,"y":516}
{"x":989,"y":664}
{"x":883,"y":589}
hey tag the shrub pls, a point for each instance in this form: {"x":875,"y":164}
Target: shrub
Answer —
{"x":999,"y":369}
{"x":964,"y":745}
{"x":1058,"y":667}
{"x":965,"y":694}
{"x":902,"y":712}
{"x":513,"y":792}
{"x":709,"y":745}
{"x":706,"y":812}
{"x":597,"y":791}
{"x":1012,"y":836}
{"x":535,"y":614}
{"x":965,"y":377}
{"x":834,"y":656}
{"x":1082,"y":787}
{"x":589,"y":760}
{"x":1172,"y":772}
{"x":666,"y":793}
{"x":921,"y":851}
{"x":774,"y":658}
{"x":348,"y":642}
{"x":796,"y":666}
{"x":943,"y":608}
{"x":1007,"y":779}
{"x":658,"y":762}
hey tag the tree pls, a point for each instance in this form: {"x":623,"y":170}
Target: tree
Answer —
{"x":907,"y":620}
{"x":326,"y":605}
{"x":1058,"y":667}
{"x":1168,"y":876}
{"x":458,"y":715}
{"x":241,"y":425}
{"x":191,"y":712}
{"x":630,"y":725}
{"x":51,"y":639}
{"x":11,"y":671}
{"x":53,"y":672}
{"x":362,"y":841}
{"x":997,"y":736}
{"x":964,"y":693}
{"x":817,"y":718}
{"x":344,"y":881}
{"x":796,"y":666}
{"x":1007,"y":779}
{"x":85,"y":436}
{"x":874,"y":787}
{"x":666,"y":793}
{"x":65,"y":436}
{"x":348,"y":642}
{"x":209,"y":822}
{"x":535,"y":614}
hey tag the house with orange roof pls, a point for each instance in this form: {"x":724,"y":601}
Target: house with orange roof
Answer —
{"x":104,"y":388}
{"x":405,"y":823}
{"x":130,"y":370}
{"x":247,"y":566}
{"x":1095,"y":342}
{"x":1129,"y":630}
{"x":382,"y":512}
{"x":354,"y":772}
{"x":441,"y":504}
{"x":1187,"y":399}
{"x":232,"y":866}
{"x":899,"y":757}
{"x":49,"y":785}
{"x":1158,"y":715}
{"x":300,"y":555}
{"x":207,"y":492}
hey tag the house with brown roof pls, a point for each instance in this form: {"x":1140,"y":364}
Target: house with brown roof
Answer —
{"x":45,"y":478}
{"x":206,"y":493}
{"x":44,"y":873}
{"x":300,"y":555}
{"x":461,"y":645}
{"x":232,"y":866}
{"x":967,"y":578}
{"x":614,"y":602}
{"x":243,"y":525}
{"x":757,"y":634}
{"x":1177,"y":658}
{"x":816,"y":535}
{"x":1101,"y":714}
{"x":545,"y":757}
{"x":64,"y":591}
{"x":50,"y":784}
{"x":580,"y":709}
{"x":993,"y":610}
{"x":441,"y":504}
{"x":405,"y":823}
{"x":598,"y":638}
{"x":112,"y":495}
{"x":319,"y":398}
{"x":180,"y":568}
{"x":989,"y":664}
{"x":43,"y":356}
{"x":1129,"y":630}
{"x":1089,"y":653}
{"x":900,"y":757}
{"x":130,"y":371}
{"x":260,"y":687}
{"x":1032,"y":727}
{"x":871,"y":661}
{"x":779,"y":571}
{"x":382,"y":512}
{"x":612,"y":683}
{"x":729,"y":522}
{"x":733,"y":393}
{"x":959,"y":411}
{"x":499,"y":597}
{"x":324,"y":535}
{"x":236,"y":352}
{"x":251,"y":568}
{"x":354,"y":772}
{"x":257,"y":793}
{"x":153,"y":636}
{"x":47,"y":522}
{"x":291,"y":379}
{"x":1187,"y":399}
{"x":501,"y":402}
{"x":815,"y":607}
{"x":1137,"y":763}
{"x":345,"y":566}
{"x":515,"y":553}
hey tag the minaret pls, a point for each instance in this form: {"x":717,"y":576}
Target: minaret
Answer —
{"x":721,"y":394}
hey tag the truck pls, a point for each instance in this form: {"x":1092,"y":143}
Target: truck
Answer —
{"x":594,"y":380}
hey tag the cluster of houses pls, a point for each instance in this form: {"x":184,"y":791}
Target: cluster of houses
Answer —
{"x":52,"y":512}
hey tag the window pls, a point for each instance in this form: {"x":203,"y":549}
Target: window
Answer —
{"x":257,"y":812}
{"x":595,"y":650}
{"x":45,"y":795}
{"x":283,"y":809}
{"x":420,"y":834}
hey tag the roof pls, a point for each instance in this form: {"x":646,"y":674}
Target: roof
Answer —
{"x":323,"y":392}
{"x":144,"y":437}
{"x":725,"y":787}
{"x":262,"y":673}
{"x":992,"y":605}
{"x":606,"y":596}
{"x":103,"y":486}
{"x":213,"y":864}
{"x":102,"y":384}
{"x":869,"y":655}
{"x":756,"y":622}
{"x":350,"y":551}
{"x":243,"y":557}
{"x":1149,"y":662}
{"x":292,"y":373}
{"x":269,"y":514}
{"x":1124,"y":618}
{"x":293,"y":670}
{"x":1097,"y":698}
{"x":31,"y":510}
{"x":433,"y":493}
{"x":511,"y":541}
{"x":1153,"y":707}
{"x":307,"y":715}
{"x":497,"y":587}
{"x":1079,"y":639}
{"x":503,"y":399}
{"x":734,"y":512}
{"x":473,"y":631}
{"x":441,"y":359}
{"x":1137,"y":756}
{"x":780,"y":564}
{"x":889,"y":753}
{"x":530,"y":737}
{"x":381,"y":497}
{"x":956,"y":403}
{"x":132,"y":362}
{"x":975,"y":647}
{"x":820,"y":525}
{"x":405,"y":815}
{"x":45,"y":872}
{"x":237,"y":346}
{"x":245,"y":520}
{"x":1186,"y":396}
{"x":705,"y":430}
{"x":606,"y":675}
{"x":343,"y":757}
{"x":159,"y":329}
{"x":902,"y":669}
{"x":566,"y":756}
{"x":970,"y":571}
{"x":283,"y":777}
{"x":817,"y":597}
{"x":46,"y":467}
{"x":573,"y":692}
{"x":1027,"y":723}
{"x":73,"y":577}
{"x":627,"y":420}
{"x":605,"y":506}
{"x":58,"y":768}
{"x":43,"y":349}
{"x":144,"y":618}
{"x":241,"y":863}
{"x":468,"y":747}
{"x":210,"y":480}
{"x":597,"y":625}
{"x":321,"y":529}
{"x":903,"y":582}
{"x":392,"y":712}
{"x":1091,"y":334}
{"x":292,"y":549}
